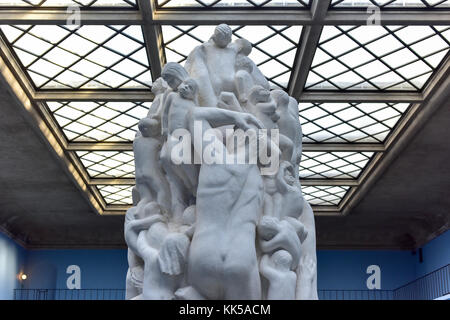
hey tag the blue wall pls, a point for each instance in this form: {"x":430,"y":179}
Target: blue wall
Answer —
{"x":436,"y":254}
{"x":106,"y":269}
{"x":12,"y":262}
{"x":346,"y":270}
{"x":100,"y":269}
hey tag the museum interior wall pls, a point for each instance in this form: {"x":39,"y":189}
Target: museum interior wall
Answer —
{"x":105,"y":268}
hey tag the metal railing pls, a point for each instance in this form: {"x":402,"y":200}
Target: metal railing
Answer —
{"x":431,"y":286}
{"x":69,"y":294}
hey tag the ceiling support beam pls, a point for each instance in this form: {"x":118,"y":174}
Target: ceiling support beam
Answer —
{"x":153,"y":38}
{"x":60,"y":16}
{"x":392,"y":97}
{"x":49,"y":16}
{"x":388,"y":17}
{"x":94,"y":95}
{"x":308,"y":44}
{"x":313,"y":147}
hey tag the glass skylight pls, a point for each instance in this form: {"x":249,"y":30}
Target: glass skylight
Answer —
{"x":274,"y":47}
{"x":99,"y":121}
{"x":333,"y":165}
{"x":231,"y":3}
{"x":377,"y":57}
{"x":67,"y":3}
{"x":91,"y":57}
{"x":391,"y":3}
{"x":324,"y":195}
{"x":116,"y":194}
{"x":108,"y":164}
{"x":349,"y":122}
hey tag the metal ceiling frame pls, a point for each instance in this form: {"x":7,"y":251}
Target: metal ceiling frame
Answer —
{"x":151,"y":18}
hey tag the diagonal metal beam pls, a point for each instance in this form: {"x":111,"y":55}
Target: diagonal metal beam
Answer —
{"x":153,"y":38}
{"x":308,"y":44}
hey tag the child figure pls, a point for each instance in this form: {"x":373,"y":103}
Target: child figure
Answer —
{"x":277,"y":270}
{"x":150,"y":180}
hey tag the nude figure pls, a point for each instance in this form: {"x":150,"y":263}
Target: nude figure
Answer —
{"x":277,"y":270}
{"x":275,"y":234}
{"x":289,"y":123}
{"x":212,"y":64}
{"x":159,"y":87}
{"x":163,"y":251}
{"x":135,"y":273}
{"x":150,"y":180}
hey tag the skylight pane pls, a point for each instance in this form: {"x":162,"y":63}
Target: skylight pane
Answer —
{"x":274,"y":47}
{"x":377,"y":57}
{"x":91,"y":57}
{"x":108,"y":164}
{"x":391,"y":3}
{"x":116,"y":194}
{"x":67,"y":3}
{"x":324,"y":195}
{"x":333,"y":165}
{"x":99,"y":121}
{"x":231,"y":3}
{"x":349,"y":122}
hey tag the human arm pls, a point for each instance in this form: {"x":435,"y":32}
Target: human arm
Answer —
{"x":220,"y":117}
{"x":134,"y":227}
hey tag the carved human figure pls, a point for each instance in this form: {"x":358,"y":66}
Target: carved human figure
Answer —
{"x":212,"y":64}
{"x":286,"y":234}
{"x":289,"y":123}
{"x":308,"y":252}
{"x":276,"y":268}
{"x":163,"y":251}
{"x":135,"y":273}
{"x":151,"y":182}
{"x":159,"y":87}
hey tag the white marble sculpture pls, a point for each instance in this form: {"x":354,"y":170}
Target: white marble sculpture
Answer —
{"x":228,"y":220}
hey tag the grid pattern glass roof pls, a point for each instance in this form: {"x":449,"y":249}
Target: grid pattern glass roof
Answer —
{"x":108,"y":164}
{"x":231,"y":3}
{"x":274,"y":47}
{"x":90,"y":57}
{"x":377,"y":57}
{"x":333,"y":165}
{"x":342,"y":140}
{"x":99,"y":121}
{"x":324,"y":195}
{"x":349,"y":122}
{"x":116,"y":194}
{"x":67,"y":3}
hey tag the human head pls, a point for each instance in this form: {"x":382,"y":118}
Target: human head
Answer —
{"x":188,"y":89}
{"x":280,"y":97}
{"x":159,"y":86}
{"x":282,"y":259}
{"x":174,"y":74}
{"x":259,"y":94}
{"x":149,"y":127}
{"x":222,"y":35}
{"x":243,"y":63}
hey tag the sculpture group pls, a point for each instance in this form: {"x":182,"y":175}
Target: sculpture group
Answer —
{"x":219,"y":229}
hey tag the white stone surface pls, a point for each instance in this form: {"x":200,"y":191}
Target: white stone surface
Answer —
{"x":219,"y":229}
